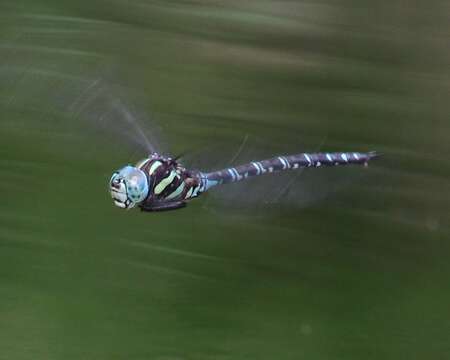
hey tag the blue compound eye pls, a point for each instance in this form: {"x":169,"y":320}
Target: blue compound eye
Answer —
{"x":132,"y":183}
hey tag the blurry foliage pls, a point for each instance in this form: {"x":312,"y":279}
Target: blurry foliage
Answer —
{"x":361,"y":275}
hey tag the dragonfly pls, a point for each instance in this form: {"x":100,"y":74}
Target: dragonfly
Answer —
{"x":159,"y":183}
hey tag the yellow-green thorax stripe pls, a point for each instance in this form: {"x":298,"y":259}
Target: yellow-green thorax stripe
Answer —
{"x":189,"y":193}
{"x":177,"y":192}
{"x":141,"y":163}
{"x":154,"y":166}
{"x":165,"y":182}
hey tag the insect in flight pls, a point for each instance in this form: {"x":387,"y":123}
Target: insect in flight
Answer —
{"x":161,"y":183}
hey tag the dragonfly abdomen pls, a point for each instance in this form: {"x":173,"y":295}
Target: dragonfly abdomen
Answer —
{"x":286,"y":162}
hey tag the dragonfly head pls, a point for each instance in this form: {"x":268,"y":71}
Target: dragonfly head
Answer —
{"x":128,"y":187}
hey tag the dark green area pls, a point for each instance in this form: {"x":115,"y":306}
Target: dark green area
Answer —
{"x":360,"y":274}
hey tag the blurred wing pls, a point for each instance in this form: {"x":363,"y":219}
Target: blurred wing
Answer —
{"x":77,"y":99}
{"x":104,"y":108}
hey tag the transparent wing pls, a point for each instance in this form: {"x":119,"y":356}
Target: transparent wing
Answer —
{"x":69,"y":99}
{"x":105,"y":108}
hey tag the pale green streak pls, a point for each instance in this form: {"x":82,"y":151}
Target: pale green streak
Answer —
{"x":141,"y":163}
{"x":177,"y":192}
{"x":155,"y":165}
{"x":164,"y":183}
{"x":189,"y":193}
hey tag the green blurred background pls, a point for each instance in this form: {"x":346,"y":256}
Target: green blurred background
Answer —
{"x":360,"y":273}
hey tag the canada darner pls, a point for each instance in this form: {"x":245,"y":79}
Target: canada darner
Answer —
{"x":162,"y":183}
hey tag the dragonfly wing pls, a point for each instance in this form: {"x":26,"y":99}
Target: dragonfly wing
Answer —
{"x":106,"y":109}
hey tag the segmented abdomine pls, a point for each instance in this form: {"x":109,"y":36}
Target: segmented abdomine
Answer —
{"x":287,"y":162}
